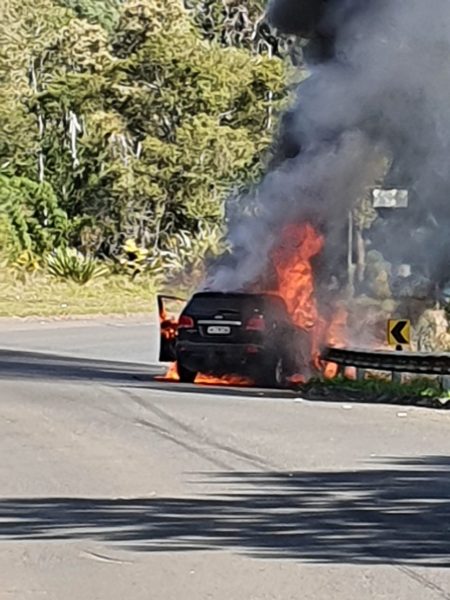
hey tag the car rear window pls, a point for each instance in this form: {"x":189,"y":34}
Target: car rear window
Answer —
{"x":211,"y":303}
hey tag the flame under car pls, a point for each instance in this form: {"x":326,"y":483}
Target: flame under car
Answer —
{"x":243,"y":334}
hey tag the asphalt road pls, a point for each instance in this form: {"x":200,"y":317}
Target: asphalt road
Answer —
{"x":114,"y":485}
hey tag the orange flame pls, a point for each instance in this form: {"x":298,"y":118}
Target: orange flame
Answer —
{"x":335,"y":336}
{"x":292,"y":260}
{"x":168,"y":325}
{"x":202,"y":378}
{"x":235,"y":380}
{"x":171,"y":374}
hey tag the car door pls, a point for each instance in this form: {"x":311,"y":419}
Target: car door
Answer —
{"x":169,"y":310}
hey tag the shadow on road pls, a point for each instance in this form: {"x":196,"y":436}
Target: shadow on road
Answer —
{"x":20,"y":365}
{"x":398,"y":514}
{"x":23,"y":365}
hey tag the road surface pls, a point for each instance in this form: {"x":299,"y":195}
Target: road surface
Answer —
{"x":114,"y":485}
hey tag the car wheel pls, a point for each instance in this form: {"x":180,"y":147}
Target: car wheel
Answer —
{"x":280,"y":373}
{"x":185,"y":375}
{"x":274,"y":374}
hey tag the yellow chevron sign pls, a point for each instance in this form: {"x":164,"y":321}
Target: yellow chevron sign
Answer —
{"x":399,"y":332}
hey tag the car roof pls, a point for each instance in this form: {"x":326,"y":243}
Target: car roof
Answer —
{"x":263,"y":295}
{"x":268,"y":298}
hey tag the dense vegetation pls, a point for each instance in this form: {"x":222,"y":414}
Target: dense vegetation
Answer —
{"x":131,"y":120}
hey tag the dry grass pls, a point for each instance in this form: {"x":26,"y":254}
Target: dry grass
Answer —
{"x":39,"y":294}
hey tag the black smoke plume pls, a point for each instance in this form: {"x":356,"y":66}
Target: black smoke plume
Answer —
{"x":378,"y":94}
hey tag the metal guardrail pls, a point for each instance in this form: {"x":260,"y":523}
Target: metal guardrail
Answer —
{"x":396,"y":362}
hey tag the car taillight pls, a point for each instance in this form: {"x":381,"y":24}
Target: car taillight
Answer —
{"x":185,"y":322}
{"x":256,"y":323}
{"x":252,"y":349}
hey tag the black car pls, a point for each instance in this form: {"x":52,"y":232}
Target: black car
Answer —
{"x":245,"y":334}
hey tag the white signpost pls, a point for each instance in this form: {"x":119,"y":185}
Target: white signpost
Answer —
{"x":393,"y":198}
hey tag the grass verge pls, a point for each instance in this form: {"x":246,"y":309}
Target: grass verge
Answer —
{"x":41,"y":295}
{"x":418,"y":392}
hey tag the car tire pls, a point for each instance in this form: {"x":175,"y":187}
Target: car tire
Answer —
{"x":274,"y":374}
{"x":185,"y":375}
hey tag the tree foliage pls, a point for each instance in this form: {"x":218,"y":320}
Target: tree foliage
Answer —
{"x":128,"y":118}
{"x":101,"y":12}
{"x":26,"y":27}
{"x":36,"y":222}
{"x":239,"y":24}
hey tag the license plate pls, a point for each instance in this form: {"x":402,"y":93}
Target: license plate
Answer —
{"x":219,"y":330}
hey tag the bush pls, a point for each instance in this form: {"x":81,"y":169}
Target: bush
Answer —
{"x":185,"y":254}
{"x":27,"y":262}
{"x":31,"y":217}
{"x":133,"y":258}
{"x":9,"y":245}
{"x":68,"y":263}
{"x":181,"y":255}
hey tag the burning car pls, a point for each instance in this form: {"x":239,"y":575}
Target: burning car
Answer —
{"x":273,"y":332}
{"x":241,"y":334}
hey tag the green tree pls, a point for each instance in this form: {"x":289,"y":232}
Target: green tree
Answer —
{"x":31,"y":215}
{"x":99,"y":12}
{"x":242,"y":24}
{"x":26,"y":27}
{"x":149,"y":138}
{"x":130,"y":117}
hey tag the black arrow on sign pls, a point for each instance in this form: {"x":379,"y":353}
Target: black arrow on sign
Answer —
{"x":397,"y":332}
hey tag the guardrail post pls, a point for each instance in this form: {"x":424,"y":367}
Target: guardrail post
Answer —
{"x":445,"y":382}
{"x":340,"y":371}
{"x":396,"y":377}
{"x":360,"y":374}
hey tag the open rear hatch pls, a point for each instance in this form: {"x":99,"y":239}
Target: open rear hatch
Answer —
{"x":169,"y":310}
